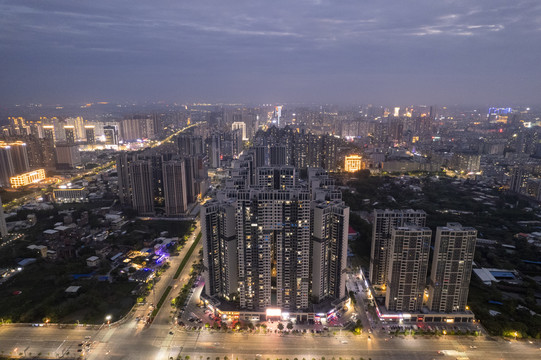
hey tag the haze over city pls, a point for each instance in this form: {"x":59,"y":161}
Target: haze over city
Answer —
{"x":424,"y":52}
{"x":270,"y":180}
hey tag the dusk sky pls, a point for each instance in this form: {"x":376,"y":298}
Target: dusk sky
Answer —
{"x":347,"y":51}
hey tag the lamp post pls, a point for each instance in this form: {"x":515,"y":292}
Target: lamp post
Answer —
{"x":108,"y":318}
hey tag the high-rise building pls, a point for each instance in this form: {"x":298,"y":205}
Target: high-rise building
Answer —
{"x":48,"y":153}
{"x":214,"y":151}
{"x":69,"y":131}
{"x":240,"y":125}
{"x":278,"y":155}
{"x":451,"y":268}
{"x":77,"y":124}
{"x":408,"y":265}
{"x":236,"y":143}
{"x":90,"y":134}
{"x":273,"y":234}
{"x":140,"y":172}
{"x":7,"y":168}
{"x":261,"y":155}
{"x":49,"y":133}
{"x":329,"y":249}
{"x":273,"y":239}
{"x":14,"y":157}
{"x":3,"y":226}
{"x":123,"y":161}
{"x":137,"y":127}
{"x":220,"y":248}
{"x":518,"y":179}
{"x":174,"y":186}
{"x":383,"y":223}
{"x":111,"y":135}
{"x":189,"y":144}
{"x":67,"y":156}
{"x":276,"y":177}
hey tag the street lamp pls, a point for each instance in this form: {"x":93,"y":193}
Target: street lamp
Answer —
{"x":516,"y":334}
{"x":108,"y":318}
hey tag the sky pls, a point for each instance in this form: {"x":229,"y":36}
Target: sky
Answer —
{"x":250,"y":51}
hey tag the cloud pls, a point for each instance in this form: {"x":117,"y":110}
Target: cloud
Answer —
{"x":176,"y":47}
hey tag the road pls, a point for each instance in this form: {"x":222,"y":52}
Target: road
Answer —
{"x":164,"y":315}
{"x":125,"y":342}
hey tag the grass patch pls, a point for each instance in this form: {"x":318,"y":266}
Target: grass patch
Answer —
{"x":187,"y":257}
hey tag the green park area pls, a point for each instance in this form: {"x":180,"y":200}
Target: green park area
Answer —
{"x":496,"y":214}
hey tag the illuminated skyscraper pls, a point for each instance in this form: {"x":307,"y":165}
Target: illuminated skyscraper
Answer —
{"x":384,"y":222}
{"x":408,"y":265}
{"x":451,"y":268}
{"x":111,"y":135}
{"x":140,"y":172}
{"x":123,"y":161}
{"x":218,"y":227}
{"x":273,"y":234}
{"x":90,"y":134}
{"x":48,"y":132}
{"x":77,"y":123}
{"x":19,"y":155}
{"x":174,"y":187}
{"x":7,"y":168}
{"x":69,"y":130}
{"x":272,"y":240}
{"x":240,"y":125}
{"x":329,"y":249}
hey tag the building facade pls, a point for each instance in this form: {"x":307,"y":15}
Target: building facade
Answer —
{"x":276,"y":266}
{"x":452,"y":265}
{"x":174,"y":188}
{"x":408,"y":266}
{"x":383,"y":223}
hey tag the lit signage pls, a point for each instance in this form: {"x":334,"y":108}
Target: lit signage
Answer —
{"x":274,"y":312}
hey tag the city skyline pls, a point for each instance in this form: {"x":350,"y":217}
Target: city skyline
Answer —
{"x":311,"y":51}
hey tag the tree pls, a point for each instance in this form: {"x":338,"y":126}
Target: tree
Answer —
{"x":290,"y":325}
{"x":280,"y":326}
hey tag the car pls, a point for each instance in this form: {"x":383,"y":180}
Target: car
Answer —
{"x":473,"y":347}
{"x":171,"y":333}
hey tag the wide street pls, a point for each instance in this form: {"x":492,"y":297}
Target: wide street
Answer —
{"x":125,"y":342}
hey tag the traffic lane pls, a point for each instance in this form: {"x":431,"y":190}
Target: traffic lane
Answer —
{"x":46,"y":340}
{"x":325,"y":346}
{"x":164,"y":315}
{"x":275,"y":344}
